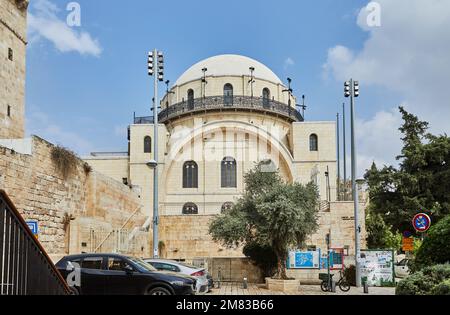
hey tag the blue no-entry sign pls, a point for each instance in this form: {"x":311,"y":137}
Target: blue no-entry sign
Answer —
{"x":421,"y":222}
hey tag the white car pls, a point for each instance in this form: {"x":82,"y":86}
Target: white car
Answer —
{"x":204,"y":280}
{"x":401,"y":268}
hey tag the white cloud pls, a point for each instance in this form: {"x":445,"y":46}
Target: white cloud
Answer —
{"x":38,"y":123}
{"x":378,"y":139}
{"x":43,"y":22}
{"x":407,"y":54}
{"x":288,"y":62}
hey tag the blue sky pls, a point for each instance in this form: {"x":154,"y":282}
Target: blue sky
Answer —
{"x":84,"y":83}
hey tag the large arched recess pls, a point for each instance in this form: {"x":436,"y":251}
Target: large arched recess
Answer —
{"x":197,"y":134}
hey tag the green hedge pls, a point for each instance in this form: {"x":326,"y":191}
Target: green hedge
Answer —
{"x":433,"y":280}
{"x":435,"y":248}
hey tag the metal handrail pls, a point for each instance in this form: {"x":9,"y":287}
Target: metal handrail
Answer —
{"x":224,"y":103}
{"x":25,"y":267}
{"x":119,"y":230}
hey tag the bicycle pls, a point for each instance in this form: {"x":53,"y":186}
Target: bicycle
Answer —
{"x":342,"y":282}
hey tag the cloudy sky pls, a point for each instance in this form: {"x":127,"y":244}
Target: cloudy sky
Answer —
{"x":84,"y":82}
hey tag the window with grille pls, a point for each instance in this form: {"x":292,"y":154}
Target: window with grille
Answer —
{"x":190,"y":209}
{"x":147,"y":144}
{"x":229,"y":173}
{"x":190,"y":175}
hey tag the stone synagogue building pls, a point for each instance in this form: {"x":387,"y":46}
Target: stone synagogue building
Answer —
{"x":221,"y":117}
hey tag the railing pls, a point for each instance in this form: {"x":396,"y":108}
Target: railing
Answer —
{"x":143,"y":120}
{"x":223,"y":103}
{"x":25,"y":268}
{"x":123,"y":241}
{"x":119,"y":233}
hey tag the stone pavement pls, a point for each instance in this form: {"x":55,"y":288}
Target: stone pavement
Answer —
{"x":234,"y":288}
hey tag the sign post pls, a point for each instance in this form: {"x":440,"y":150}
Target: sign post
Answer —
{"x":328,"y":239}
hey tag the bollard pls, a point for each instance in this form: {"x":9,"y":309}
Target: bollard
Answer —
{"x":366,"y":288}
{"x":245,"y":284}
{"x":333,"y":286}
{"x":219,"y":280}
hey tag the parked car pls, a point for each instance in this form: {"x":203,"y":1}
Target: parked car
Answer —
{"x":204,"y":281}
{"x":111,"y":274}
{"x":401,"y":268}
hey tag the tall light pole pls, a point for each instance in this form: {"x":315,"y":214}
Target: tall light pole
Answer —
{"x":345,"y":151}
{"x":338,"y":158}
{"x":352,"y":91}
{"x":157,"y":57}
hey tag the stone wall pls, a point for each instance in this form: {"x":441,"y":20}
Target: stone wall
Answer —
{"x":187,"y":237}
{"x":13,"y":27}
{"x":40,"y":192}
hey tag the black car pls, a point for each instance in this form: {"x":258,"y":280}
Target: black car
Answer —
{"x":111,"y":274}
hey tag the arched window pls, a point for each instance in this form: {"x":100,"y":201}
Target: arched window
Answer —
{"x":266,"y":97}
{"x":190,"y":209}
{"x":313,"y":143}
{"x":227,"y":206}
{"x":228,"y":94}
{"x":190,"y":175}
{"x":229,"y":173}
{"x":147,"y":144}
{"x":190,"y":99}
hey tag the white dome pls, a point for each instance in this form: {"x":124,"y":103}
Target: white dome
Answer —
{"x":228,"y":65}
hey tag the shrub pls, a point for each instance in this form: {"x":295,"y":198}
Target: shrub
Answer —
{"x":428,"y":281}
{"x":87,"y":168}
{"x":65,"y":161}
{"x":442,"y":289}
{"x":435,"y":248}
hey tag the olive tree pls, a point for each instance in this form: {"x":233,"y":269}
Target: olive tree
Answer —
{"x":271,"y":213}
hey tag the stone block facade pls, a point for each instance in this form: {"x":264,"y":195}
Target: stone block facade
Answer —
{"x":13,"y":28}
{"x":94,"y":201}
{"x":187,"y":237}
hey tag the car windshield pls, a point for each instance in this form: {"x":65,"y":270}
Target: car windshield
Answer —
{"x":142,"y":264}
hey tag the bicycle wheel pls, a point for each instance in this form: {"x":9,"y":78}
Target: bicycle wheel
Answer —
{"x":324,"y":286}
{"x":344,"y":286}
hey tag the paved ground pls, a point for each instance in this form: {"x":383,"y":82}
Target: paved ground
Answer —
{"x":233,"y":288}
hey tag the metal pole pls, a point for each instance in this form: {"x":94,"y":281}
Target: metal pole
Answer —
{"x":155,"y":153}
{"x":354,"y":188}
{"x":345,"y":152}
{"x":338,"y":161}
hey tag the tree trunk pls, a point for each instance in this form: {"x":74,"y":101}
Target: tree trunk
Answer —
{"x":281,"y":264}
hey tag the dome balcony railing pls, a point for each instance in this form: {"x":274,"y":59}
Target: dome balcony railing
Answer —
{"x":228,"y":103}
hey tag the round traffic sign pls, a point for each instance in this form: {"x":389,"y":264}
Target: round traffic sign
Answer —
{"x":421,"y":222}
{"x":407,"y":234}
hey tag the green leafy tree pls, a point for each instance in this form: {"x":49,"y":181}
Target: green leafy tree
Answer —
{"x":379,"y":234}
{"x":270,"y":213}
{"x":419,"y":184}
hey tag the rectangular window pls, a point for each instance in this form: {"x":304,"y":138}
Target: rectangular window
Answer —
{"x":92,"y":263}
{"x":8,"y":111}
{"x":117,"y":264}
{"x":10,"y":54}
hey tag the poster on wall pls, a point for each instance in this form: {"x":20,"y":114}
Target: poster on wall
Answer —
{"x":336,"y":259}
{"x":377,"y":268}
{"x":303,"y":260}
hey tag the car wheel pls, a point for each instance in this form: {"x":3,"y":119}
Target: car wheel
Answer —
{"x":158,"y":291}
